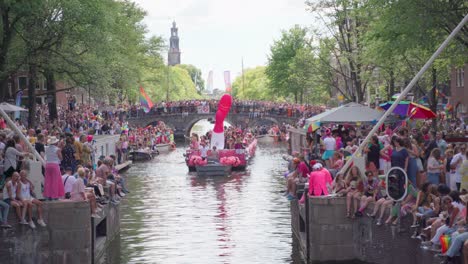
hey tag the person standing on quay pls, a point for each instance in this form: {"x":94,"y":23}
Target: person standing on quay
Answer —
{"x":53,"y":186}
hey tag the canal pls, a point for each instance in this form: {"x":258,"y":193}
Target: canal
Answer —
{"x":172,"y":216}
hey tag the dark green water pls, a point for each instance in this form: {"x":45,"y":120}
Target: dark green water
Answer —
{"x":172,"y":216}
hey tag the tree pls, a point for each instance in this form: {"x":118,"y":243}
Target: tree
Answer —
{"x":282,"y":55}
{"x":195,"y":75}
{"x":253,"y":85}
{"x":346,"y":22}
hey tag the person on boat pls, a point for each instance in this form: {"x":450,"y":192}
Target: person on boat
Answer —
{"x":214,"y":155}
{"x":204,"y":149}
{"x":238,"y":144}
{"x":194,"y":145}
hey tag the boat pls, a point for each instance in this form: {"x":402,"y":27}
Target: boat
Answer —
{"x":237,"y":159}
{"x":267,"y":138}
{"x":213,"y":169}
{"x":140,"y":155}
{"x":163,"y":148}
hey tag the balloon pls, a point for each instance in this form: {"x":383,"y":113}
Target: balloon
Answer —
{"x":225,"y":103}
{"x":219,"y":124}
{"x":224,"y":106}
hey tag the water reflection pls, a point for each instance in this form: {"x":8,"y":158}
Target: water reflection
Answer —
{"x":172,"y":216}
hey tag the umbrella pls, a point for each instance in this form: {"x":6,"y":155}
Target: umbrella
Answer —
{"x":348,"y":113}
{"x":10,"y":108}
{"x":417,"y":111}
{"x":401,"y":109}
{"x":314,"y":126}
{"x":410,"y":109}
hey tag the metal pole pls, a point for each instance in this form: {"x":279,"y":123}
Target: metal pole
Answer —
{"x":405,"y":91}
{"x":20,"y":134}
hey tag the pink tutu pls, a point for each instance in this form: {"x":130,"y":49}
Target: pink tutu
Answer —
{"x":53,"y":186}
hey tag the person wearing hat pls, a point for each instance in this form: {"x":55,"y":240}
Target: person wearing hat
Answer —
{"x":53,"y":186}
{"x":320,"y":180}
{"x":329,"y":143}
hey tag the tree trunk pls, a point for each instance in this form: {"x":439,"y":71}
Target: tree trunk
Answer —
{"x":391,"y":85}
{"x":32,"y":95}
{"x":302,"y":96}
{"x":3,"y":90}
{"x":434,"y":98}
{"x":52,"y":96}
{"x":295,"y":97}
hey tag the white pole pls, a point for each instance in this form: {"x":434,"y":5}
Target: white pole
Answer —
{"x":405,"y":91}
{"x":20,"y":134}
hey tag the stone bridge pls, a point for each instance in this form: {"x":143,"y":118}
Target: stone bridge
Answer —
{"x":182,"y":123}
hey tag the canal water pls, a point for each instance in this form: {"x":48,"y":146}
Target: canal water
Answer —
{"x":172,"y":216}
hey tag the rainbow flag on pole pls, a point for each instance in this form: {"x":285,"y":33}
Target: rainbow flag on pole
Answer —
{"x":145,"y":101}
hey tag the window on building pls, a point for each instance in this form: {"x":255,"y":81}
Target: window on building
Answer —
{"x":460,"y":77}
{"x":22,"y":83}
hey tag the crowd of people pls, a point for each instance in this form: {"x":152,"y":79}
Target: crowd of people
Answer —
{"x":437,"y":172}
{"x":71,"y":170}
{"x":253,"y":108}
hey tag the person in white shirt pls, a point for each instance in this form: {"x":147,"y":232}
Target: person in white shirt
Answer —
{"x":456,"y":163}
{"x":204,"y":150}
{"x":68,"y":179}
{"x":329,"y":144}
{"x":23,"y":193}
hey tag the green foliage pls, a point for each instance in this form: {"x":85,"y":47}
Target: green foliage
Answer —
{"x":195,"y":75}
{"x":253,"y":85}
{"x":283,"y":62}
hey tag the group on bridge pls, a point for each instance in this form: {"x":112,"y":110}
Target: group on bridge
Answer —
{"x":253,"y":108}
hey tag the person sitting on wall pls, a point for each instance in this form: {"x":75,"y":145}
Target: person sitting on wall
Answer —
{"x":320,"y":181}
{"x":371,"y":192}
{"x":102,"y":173}
{"x":292,"y":181}
{"x":9,"y":194}
{"x":23,"y":192}
{"x":68,"y":179}
{"x":78,"y":193}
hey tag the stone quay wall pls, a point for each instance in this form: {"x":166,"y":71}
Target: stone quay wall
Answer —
{"x":71,"y":236}
{"x":325,"y":235}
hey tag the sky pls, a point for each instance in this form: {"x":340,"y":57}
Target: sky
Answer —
{"x":218,"y":34}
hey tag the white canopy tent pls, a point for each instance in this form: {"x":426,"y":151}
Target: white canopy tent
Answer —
{"x":348,"y":113}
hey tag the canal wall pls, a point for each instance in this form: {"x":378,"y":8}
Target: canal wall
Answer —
{"x":326,"y":235}
{"x":71,"y":236}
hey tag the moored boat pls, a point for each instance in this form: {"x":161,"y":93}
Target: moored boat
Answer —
{"x":166,"y":147}
{"x":140,"y":155}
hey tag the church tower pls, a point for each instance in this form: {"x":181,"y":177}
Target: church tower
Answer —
{"x":173,"y":57}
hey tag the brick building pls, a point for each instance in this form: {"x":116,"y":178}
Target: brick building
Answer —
{"x":20,"y":81}
{"x":459,"y":90}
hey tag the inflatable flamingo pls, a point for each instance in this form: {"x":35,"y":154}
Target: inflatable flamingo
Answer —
{"x":224,"y":105}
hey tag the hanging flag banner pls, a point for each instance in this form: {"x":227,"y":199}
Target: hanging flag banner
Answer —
{"x":227,"y":81}
{"x":210,"y":82}
{"x":203,"y":109}
{"x":19,"y":94}
{"x":145,"y":101}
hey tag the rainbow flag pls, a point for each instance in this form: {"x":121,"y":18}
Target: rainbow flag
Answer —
{"x":445,"y":241}
{"x":145,"y":101}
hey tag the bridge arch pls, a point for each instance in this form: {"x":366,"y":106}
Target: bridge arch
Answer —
{"x":182,"y":124}
{"x":195,"y":120}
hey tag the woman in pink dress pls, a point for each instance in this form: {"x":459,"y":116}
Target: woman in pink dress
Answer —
{"x":53,"y":186}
